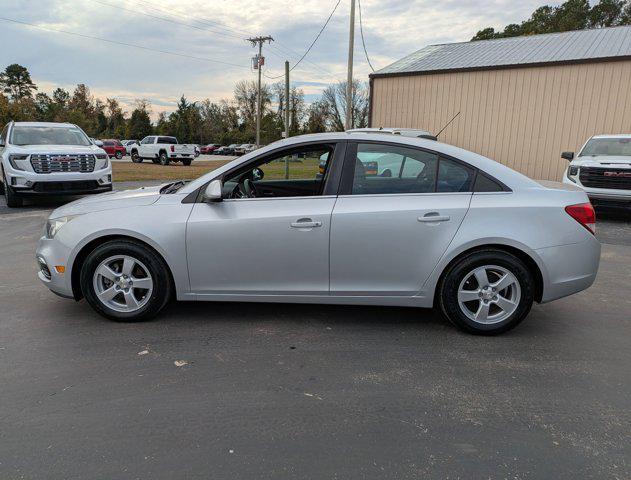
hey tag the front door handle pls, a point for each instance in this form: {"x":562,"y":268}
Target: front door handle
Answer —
{"x":433,"y":217}
{"x":306,"y":223}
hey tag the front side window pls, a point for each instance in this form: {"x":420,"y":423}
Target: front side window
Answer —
{"x":296,"y":172}
{"x":391,"y":169}
{"x":147,"y":140}
{"x":44,"y":135}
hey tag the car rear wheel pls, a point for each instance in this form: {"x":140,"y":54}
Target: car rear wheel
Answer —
{"x":125,"y":281}
{"x":187,"y":162}
{"x":118,"y":155}
{"x":164,"y":159}
{"x":487,"y":292}
{"x":135,"y":157}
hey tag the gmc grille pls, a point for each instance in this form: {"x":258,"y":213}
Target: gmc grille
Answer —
{"x":614,"y":178}
{"x":52,"y":163}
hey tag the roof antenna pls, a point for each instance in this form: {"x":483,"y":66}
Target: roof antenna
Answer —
{"x":448,"y":123}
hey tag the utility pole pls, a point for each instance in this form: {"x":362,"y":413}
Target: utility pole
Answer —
{"x":349,"y":80}
{"x":286,"y":114}
{"x":260,"y":60}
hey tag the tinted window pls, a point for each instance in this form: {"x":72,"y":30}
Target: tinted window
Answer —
{"x":169,"y":140}
{"x":454,"y":176}
{"x":384,"y":169}
{"x":486,"y":184}
{"x":109,"y":143}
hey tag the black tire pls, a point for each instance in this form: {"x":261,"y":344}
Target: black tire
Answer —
{"x":135,"y":157}
{"x":118,"y":155}
{"x":164,"y":159}
{"x":2,"y":188}
{"x":463,"y":268}
{"x":155,"y":160}
{"x":187,"y":161}
{"x":162,"y":285}
{"x":13,"y":200}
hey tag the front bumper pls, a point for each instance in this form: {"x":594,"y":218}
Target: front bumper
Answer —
{"x":52,"y":253}
{"x":67,"y":183}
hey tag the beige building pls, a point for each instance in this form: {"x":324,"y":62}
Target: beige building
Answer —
{"x":522,"y":101}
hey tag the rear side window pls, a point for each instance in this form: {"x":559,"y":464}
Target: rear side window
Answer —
{"x":484,"y":183}
{"x":454,"y":176}
{"x":391,"y":169}
{"x":169,"y":140}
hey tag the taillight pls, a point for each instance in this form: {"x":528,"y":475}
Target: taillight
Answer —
{"x":173,"y":148}
{"x":584,"y":214}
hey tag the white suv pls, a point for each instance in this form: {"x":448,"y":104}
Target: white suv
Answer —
{"x":602,"y":168}
{"x":40,"y":158}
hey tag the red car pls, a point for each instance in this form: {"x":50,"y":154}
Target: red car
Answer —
{"x":208,"y":149}
{"x":114,"y":148}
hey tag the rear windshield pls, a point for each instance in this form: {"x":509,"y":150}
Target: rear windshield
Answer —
{"x":608,"y":146}
{"x":22,"y":135}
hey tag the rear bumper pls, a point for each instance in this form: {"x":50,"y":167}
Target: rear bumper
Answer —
{"x":569,"y":268}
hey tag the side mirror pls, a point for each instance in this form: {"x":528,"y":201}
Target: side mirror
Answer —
{"x":569,"y":156}
{"x":213,"y":192}
{"x":257,"y":174}
{"x":98,"y":143}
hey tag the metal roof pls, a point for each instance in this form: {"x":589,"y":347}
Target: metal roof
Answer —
{"x":566,"y":47}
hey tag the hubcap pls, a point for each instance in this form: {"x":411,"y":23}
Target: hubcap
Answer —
{"x":489,"y":294}
{"x":122,"y":283}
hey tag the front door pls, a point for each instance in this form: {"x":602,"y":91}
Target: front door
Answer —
{"x":270,"y":234}
{"x":400,"y":209}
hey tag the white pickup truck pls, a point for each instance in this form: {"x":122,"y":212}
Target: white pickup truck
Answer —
{"x":163,"y":150}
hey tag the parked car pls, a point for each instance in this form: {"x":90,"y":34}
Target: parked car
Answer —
{"x":114,"y":148}
{"x":230,"y":149}
{"x":163,"y":150}
{"x":602,"y":168}
{"x":41,"y":158}
{"x":449,"y":228}
{"x":244,"y":148}
{"x":208,"y":149}
{"x":128,"y":144}
{"x":220,"y":150}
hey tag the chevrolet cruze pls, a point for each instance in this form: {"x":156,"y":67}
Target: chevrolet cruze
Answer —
{"x":340,"y":218}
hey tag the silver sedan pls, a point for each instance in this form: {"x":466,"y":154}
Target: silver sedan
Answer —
{"x":341,"y":218}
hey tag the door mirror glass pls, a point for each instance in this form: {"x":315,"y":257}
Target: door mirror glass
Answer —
{"x":213,"y":192}
{"x":569,"y":156}
{"x":257,"y":174}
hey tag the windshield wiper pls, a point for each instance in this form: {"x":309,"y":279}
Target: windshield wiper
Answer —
{"x":172,"y":187}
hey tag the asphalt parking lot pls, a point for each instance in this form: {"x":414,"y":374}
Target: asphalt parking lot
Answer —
{"x":246,"y":391}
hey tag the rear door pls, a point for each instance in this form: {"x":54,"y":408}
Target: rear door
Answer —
{"x":399,"y":209}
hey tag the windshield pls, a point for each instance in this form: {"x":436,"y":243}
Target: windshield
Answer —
{"x":22,"y":135}
{"x":608,"y":146}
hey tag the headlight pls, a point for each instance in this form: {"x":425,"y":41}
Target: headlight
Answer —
{"x":17,"y":157}
{"x":54,"y":225}
{"x":105,"y":158}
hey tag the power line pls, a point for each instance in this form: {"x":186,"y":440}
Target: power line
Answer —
{"x":141,"y":47}
{"x":239,"y":34}
{"x":168,"y":20}
{"x":314,"y":40}
{"x":361,"y":30}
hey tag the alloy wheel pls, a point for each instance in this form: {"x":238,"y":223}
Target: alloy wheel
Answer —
{"x":123,"y":283}
{"x":489,"y":294}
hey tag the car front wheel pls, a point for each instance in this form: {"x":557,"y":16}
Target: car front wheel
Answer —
{"x":125,"y":281}
{"x":487,"y":292}
{"x":135,"y":157}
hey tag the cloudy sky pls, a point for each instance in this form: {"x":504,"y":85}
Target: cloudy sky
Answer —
{"x":392,"y":29}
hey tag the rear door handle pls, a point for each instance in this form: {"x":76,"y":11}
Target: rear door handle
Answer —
{"x":306,"y":223}
{"x":433,"y":217}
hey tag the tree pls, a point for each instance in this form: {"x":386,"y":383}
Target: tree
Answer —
{"x":606,"y":13}
{"x":139,"y":124}
{"x":316,"y":118}
{"x":334,"y":101}
{"x":571,"y":15}
{"x":16,"y":82}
